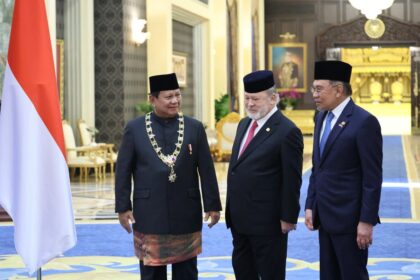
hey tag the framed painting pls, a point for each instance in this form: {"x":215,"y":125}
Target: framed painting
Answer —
{"x":288,"y":63}
{"x":60,"y":72}
{"x":179,"y":64}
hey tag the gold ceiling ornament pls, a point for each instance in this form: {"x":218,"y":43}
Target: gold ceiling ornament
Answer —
{"x":374,"y":28}
{"x":287,"y":36}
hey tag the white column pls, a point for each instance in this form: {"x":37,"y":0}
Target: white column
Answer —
{"x":219,"y":47}
{"x":203,"y":94}
{"x":159,"y":45}
{"x":261,"y":26}
{"x":79,"y":68}
{"x":51,"y":12}
{"x":87,"y":70}
{"x":244,"y":47}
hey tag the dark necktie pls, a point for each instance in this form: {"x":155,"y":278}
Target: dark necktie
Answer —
{"x":250,"y":136}
{"x":326,"y":133}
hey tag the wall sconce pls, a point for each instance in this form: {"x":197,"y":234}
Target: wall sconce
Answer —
{"x":139,"y":37}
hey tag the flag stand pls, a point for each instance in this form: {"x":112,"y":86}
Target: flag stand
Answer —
{"x":39,"y":274}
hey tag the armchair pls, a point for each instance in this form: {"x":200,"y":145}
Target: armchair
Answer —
{"x":110,"y":155}
{"x":84,"y":158}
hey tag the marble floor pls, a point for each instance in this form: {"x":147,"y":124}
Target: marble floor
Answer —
{"x":395,"y":254}
{"x":395,"y":119}
{"x":94,"y":200}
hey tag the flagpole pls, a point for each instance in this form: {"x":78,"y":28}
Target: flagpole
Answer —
{"x":39,"y":274}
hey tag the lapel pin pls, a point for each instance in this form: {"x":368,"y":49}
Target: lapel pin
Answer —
{"x":342,"y":124}
{"x":267,"y":129}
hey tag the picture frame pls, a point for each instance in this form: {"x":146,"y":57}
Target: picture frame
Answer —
{"x":60,"y":72}
{"x":179,"y":65}
{"x":288,"y":62}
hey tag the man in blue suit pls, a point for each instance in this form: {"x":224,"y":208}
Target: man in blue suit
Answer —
{"x":264,"y":179}
{"x":345,"y":184}
{"x":167,"y":156}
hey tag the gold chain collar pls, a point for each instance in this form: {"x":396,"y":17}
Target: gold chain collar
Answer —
{"x":170,"y":159}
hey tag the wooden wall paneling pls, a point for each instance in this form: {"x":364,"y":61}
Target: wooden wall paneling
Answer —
{"x":331,"y":13}
{"x":350,"y":12}
{"x":290,"y":26}
{"x":415,"y":12}
{"x":270,"y":30}
{"x":182,"y":42}
{"x":309,"y":29}
{"x":397,"y":10}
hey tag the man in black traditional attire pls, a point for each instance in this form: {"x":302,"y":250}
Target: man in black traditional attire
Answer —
{"x":165,"y":153}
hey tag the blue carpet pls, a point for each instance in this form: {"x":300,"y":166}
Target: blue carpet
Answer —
{"x":106,"y":248}
{"x":393,"y":163}
{"x":396,"y":248}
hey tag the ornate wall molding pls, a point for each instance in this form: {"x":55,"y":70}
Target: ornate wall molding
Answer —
{"x":352,"y":33}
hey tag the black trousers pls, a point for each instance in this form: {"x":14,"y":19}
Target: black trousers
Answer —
{"x":259,"y":257}
{"x":340,"y":257}
{"x":186,"y":270}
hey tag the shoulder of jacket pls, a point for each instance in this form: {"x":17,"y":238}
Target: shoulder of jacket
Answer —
{"x":244,"y":120}
{"x":364,"y":114}
{"x":137,"y":121}
{"x":192,"y":121}
{"x":286,"y":122}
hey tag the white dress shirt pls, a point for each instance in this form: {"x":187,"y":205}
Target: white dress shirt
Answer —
{"x":260,"y":123}
{"x":337,"y":112}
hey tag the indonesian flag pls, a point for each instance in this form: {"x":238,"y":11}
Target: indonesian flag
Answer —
{"x":34,"y":178}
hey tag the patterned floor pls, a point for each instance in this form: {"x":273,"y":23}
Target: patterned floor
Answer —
{"x":104,"y":251}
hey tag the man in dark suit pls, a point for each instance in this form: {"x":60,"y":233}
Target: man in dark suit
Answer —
{"x":345,"y":184}
{"x":166,"y":153}
{"x":264,"y":179}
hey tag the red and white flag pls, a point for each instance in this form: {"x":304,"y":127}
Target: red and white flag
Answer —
{"x":34,"y":178}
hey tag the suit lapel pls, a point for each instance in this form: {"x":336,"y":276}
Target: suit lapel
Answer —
{"x":266,"y":131}
{"x":338,"y":128}
{"x":242,"y":128}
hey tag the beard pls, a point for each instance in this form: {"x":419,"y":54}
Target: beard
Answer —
{"x":254,"y":116}
{"x":260,"y":114}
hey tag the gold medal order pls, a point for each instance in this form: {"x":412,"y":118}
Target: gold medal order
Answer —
{"x":168,"y":160}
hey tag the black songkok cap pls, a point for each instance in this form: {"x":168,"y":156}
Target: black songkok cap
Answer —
{"x":163,"y":82}
{"x":258,"y":81}
{"x":332,"y":70}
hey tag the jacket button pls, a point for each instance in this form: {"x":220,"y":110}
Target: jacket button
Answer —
{"x":232,"y":173}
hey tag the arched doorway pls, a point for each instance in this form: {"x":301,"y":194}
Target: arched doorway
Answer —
{"x":386,"y":71}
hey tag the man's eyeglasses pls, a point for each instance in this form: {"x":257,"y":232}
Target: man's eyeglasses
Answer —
{"x":320,"y":89}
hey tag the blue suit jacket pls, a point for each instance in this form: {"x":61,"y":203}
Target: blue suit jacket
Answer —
{"x":345,"y":184}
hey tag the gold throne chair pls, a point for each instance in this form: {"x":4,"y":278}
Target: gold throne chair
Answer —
{"x":226,"y":131}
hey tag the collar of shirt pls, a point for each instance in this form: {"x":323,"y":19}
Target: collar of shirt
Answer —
{"x":261,"y":122}
{"x":164,"y":121}
{"x":337,"y":112}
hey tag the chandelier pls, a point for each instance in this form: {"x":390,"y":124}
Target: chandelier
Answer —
{"x":371,"y":8}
